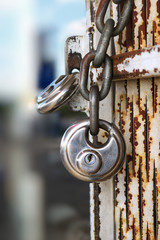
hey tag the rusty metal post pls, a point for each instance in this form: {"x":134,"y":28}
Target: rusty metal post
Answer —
{"x":128,"y":206}
{"x":136,"y":206}
{"x":137,"y":102}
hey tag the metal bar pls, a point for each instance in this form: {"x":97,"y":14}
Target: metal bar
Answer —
{"x":137,"y":208}
{"x":128,"y":206}
{"x":141,"y":63}
{"x":73,"y":54}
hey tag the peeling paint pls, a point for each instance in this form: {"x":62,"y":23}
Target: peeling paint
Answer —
{"x":141,"y":63}
{"x":137,"y":203}
{"x":128,"y":206}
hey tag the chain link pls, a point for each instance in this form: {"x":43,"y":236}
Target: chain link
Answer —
{"x":123,"y":19}
{"x":106,"y":79}
{"x":94,"y":110}
{"x":99,"y":57}
{"x":103,"y":43}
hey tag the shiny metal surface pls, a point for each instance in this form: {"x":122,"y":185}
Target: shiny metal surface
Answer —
{"x":88,"y":161}
{"x":94,"y":110}
{"x":58,"y":93}
{"x":134,"y":194}
{"x":104,"y":161}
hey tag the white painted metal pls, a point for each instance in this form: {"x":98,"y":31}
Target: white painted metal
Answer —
{"x":127,"y":207}
{"x":146,"y":63}
{"x":79,"y":104}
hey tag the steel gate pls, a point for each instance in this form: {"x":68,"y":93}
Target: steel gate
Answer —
{"x":127,"y":206}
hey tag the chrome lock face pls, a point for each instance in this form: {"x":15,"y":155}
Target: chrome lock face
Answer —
{"x":88,"y":162}
{"x":58,"y":93}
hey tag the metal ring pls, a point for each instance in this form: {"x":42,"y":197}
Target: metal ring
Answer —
{"x":106,"y":79}
{"x":85,"y":64}
{"x":103,"y":43}
{"x":94,"y":110}
{"x":101,"y":11}
{"x":48,"y":91}
{"x":122,"y":21}
{"x":58,"y":93}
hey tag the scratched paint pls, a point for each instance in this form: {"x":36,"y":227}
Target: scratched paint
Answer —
{"x":128,"y":206}
{"x":137,"y":210}
{"x":137,"y":188}
{"x":137,"y":64}
{"x":147,"y":60}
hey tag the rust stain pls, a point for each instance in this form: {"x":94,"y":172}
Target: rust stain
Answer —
{"x":140,"y":196}
{"x":142,"y":27}
{"x":155,"y":97}
{"x":92,"y":11}
{"x":100,"y":77}
{"x":121,"y":235}
{"x":129,"y":33}
{"x":119,"y":37}
{"x":97,"y":191}
{"x":134,"y":24}
{"x":146,"y":141}
{"x":91,"y":77}
{"x":143,"y":179}
{"x":122,"y":121}
{"x":135,"y":113}
{"x":74,"y":61}
{"x":155,"y":200}
{"x":156,"y":24}
{"x":117,"y":190}
{"x":100,"y":7}
{"x":137,"y":124}
{"x":124,"y":59}
{"x":148,"y":9}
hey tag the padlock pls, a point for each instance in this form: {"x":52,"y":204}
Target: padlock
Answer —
{"x":89,"y":162}
{"x":58,"y":93}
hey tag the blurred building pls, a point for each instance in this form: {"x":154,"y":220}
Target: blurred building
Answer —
{"x":39,"y":200}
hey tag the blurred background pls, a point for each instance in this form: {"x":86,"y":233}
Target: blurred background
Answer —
{"x":39,"y":200}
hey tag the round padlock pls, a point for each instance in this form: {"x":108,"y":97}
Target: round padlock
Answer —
{"x":58,"y":93}
{"x":88,"y":162}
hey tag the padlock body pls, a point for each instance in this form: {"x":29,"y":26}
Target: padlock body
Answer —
{"x":104,"y":161}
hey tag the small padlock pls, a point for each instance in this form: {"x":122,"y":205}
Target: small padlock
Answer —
{"x":58,"y":93}
{"x":88,"y":162}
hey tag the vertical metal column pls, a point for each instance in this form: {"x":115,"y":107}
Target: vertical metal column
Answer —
{"x":137,"y":112}
{"x":136,"y":188}
{"x":101,"y":195}
{"x":128,"y":206}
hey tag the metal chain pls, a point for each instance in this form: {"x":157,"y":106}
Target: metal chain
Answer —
{"x":99,"y":57}
{"x":123,"y":19}
{"x":107,"y":75}
{"x":103,"y":43}
{"x":94,"y":110}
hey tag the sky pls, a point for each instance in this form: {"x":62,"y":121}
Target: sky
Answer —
{"x":59,"y":12}
{"x":18,"y":19}
{"x":67,"y":17}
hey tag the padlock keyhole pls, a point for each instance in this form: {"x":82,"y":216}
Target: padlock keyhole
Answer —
{"x":90,"y":159}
